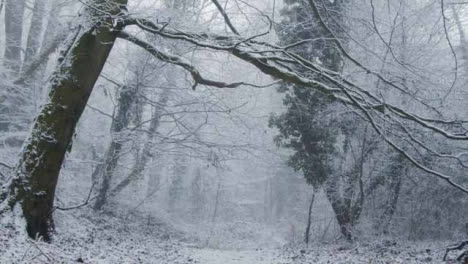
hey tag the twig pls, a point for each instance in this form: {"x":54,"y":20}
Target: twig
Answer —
{"x":444,"y":18}
{"x":343,"y":90}
{"x":80,"y":205}
{"x":180,"y":61}
{"x":226,"y":17}
{"x":346,"y":54}
{"x":456,"y":247}
{"x":6,"y":165}
{"x":100,"y":111}
{"x":258,"y":35}
{"x":40,"y":251}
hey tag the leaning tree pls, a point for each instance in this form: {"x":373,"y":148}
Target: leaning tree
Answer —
{"x":32,"y":187}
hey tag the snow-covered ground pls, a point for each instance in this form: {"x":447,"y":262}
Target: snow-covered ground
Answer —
{"x":378,"y":253}
{"x":258,"y":256}
{"x":84,"y":237}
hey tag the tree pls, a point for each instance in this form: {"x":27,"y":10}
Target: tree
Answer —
{"x":35,"y":31}
{"x":105,"y":170}
{"x":145,"y":155}
{"x":307,"y":127}
{"x":14,"y":11}
{"x":25,"y":64}
{"x":36,"y":175}
{"x":130,"y":103}
{"x":312,"y":122}
{"x":309,"y":218}
{"x":301,"y":126}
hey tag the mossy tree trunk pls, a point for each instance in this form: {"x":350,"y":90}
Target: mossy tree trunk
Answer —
{"x":37,"y":172}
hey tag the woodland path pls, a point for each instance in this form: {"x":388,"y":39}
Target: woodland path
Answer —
{"x":216,"y":256}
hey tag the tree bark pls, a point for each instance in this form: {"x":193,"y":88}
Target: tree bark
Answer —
{"x":37,"y":172}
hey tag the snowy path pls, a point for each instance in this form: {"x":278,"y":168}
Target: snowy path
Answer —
{"x":398,"y":254}
{"x":215,"y":256}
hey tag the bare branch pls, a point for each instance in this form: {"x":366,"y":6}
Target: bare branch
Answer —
{"x":455,"y":77}
{"x":283,"y":65}
{"x":226,"y":17}
{"x":179,"y":61}
{"x":6,"y":165}
{"x":347,"y":55}
{"x":86,"y":202}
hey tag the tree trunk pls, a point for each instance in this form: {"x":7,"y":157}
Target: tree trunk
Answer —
{"x":121,"y":121}
{"x":2,"y":2}
{"x":14,"y":12}
{"x":347,"y":210}
{"x":342,"y":212}
{"x":107,"y":170}
{"x":197,"y":188}
{"x":53,"y":31}
{"x":37,"y":172}
{"x":35,"y":31}
{"x":398,"y":168}
{"x":463,"y":40}
{"x":344,"y":220}
{"x":395,"y":189}
{"x":309,"y":218}
{"x":140,"y":164}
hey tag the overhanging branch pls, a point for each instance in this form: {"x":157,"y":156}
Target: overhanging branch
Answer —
{"x":286,"y":66}
{"x":181,"y":62}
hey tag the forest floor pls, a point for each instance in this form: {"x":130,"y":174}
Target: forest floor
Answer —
{"x":417,"y":253}
{"x":86,"y":237}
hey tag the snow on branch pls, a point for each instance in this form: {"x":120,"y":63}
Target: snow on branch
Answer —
{"x":284,"y":65}
{"x":180,"y":61}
